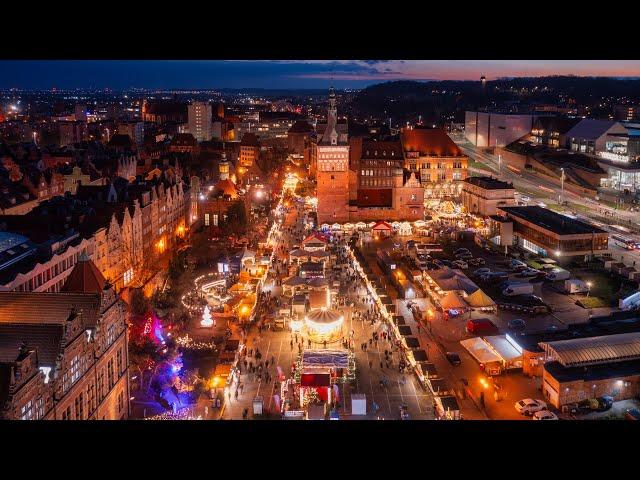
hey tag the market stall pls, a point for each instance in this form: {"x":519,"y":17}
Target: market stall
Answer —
{"x":484,"y":355}
{"x":482,"y":301}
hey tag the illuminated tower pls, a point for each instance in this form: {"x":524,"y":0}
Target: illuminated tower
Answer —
{"x":332,"y":154}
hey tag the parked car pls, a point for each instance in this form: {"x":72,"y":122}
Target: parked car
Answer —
{"x":453,"y":358}
{"x":478,"y":262}
{"x":516,"y":324}
{"x":529,"y":272}
{"x":545,"y":415}
{"x":461,"y":250}
{"x":517,"y":265}
{"x":461,"y":264}
{"x":529,"y":406}
{"x":464,"y":256}
{"x":557,"y":275}
{"x":494,"y":278}
{"x":480,"y":326}
{"x":481,"y":271}
{"x":447,"y":263}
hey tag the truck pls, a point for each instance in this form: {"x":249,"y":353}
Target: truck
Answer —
{"x":575,"y":286}
{"x":518,"y":289}
{"x":558,"y":274}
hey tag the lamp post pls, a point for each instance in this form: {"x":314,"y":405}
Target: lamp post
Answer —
{"x":588,"y":289}
{"x":561,"y":199}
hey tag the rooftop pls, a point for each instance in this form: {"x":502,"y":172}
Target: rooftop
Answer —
{"x":590,"y":128}
{"x":489,"y":183}
{"x":593,"y":372}
{"x":552,"y":221}
{"x":429,"y":142}
{"x":595,"y":350}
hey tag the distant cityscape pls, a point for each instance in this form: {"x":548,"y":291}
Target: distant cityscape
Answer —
{"x":412,"y":250}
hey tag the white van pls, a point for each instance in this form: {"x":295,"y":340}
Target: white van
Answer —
{"x":518,"y":289}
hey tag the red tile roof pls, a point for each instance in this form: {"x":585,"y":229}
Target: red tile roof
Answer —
{"x":374,"y":197}
{"x":226,"y":187}
{"x":313,"y":238}
{"x":429,"y":142}
{"x":85,"y":277}
{"x":382,"y":226}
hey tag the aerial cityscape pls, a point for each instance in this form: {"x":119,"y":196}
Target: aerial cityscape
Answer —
{"x":320,"y":240}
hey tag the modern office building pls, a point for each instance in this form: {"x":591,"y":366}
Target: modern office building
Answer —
{"x":485,"y":129}
{"x":552,"y":131}
{"x":200,"y":121}
{"x":546,"y":233}
{"x":604,"y":138}
{"x":483,"y":195}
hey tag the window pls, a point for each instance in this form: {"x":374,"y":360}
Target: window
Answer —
{"x":414,"y":197}
{"x":75,"y":369}
{"x":39,"y":408}
{"x":111,"y":334}
{"x":119,"y":361}
{"x":128,"y":276}
{"x":66,"y":414}
{"x":110,"y":377}
{"x":120,"y":401}
{"x":206,"y":219}
{"x":26,"y":412}
{"x":215,"y":219}
{"x":79,"y":404}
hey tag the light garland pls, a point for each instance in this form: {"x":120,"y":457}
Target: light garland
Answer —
{"x":182,"y":414}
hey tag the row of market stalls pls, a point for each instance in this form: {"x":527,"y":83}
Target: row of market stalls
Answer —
{"x":381,"y":228}
{"x":418,"y":359}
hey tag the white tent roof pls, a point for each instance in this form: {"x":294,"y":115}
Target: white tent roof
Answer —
{"x":479,"y":350}
{"x":504,"y":347}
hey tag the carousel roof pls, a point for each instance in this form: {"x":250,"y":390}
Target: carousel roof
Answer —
{"x":319,"y":254}
{"x":299,"y":253}
{"x":323,"y":316}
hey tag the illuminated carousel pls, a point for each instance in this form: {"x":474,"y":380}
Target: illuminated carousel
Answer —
{"x":324,"y":325}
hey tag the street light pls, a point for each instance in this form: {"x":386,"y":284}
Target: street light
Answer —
{"x":588,"y":288}
{"x":561,"y":186}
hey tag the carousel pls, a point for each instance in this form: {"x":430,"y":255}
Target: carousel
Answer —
{"x":324,"y":325}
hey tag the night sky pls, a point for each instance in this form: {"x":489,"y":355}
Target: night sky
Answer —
{"x":284,"y":74}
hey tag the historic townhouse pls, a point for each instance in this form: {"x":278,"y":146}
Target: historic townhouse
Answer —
{"x":63,"y":356}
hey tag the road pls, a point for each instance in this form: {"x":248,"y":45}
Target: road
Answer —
{"x":548,"y":192}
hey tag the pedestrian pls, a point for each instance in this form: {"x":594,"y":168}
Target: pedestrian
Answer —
{"x":381,"y":366}
{"x":370,"y":364}
{"x":236,"y":394}
{"x":291,"y":345}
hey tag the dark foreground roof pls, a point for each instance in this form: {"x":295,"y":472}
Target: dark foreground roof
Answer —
{"x":551,"y":220}
{"x":593,"y":372}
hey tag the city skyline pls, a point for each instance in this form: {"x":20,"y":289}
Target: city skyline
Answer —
{"x":122,"y":74}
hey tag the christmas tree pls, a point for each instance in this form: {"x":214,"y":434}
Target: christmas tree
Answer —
{"x":206,"y":318}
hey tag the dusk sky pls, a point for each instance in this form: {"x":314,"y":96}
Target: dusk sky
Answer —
{"x":118,"y":74}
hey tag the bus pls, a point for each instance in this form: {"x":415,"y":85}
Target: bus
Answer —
{"x":624,"y":242}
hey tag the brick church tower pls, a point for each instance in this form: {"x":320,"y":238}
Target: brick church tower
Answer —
{"x":332,"y":155}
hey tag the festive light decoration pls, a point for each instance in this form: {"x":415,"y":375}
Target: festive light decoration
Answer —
{"x":182,"y":414}
{"x":207,"y":321}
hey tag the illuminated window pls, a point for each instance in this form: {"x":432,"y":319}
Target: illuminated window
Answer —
{"x":206,"y":219}
{"x":128,"y":276}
